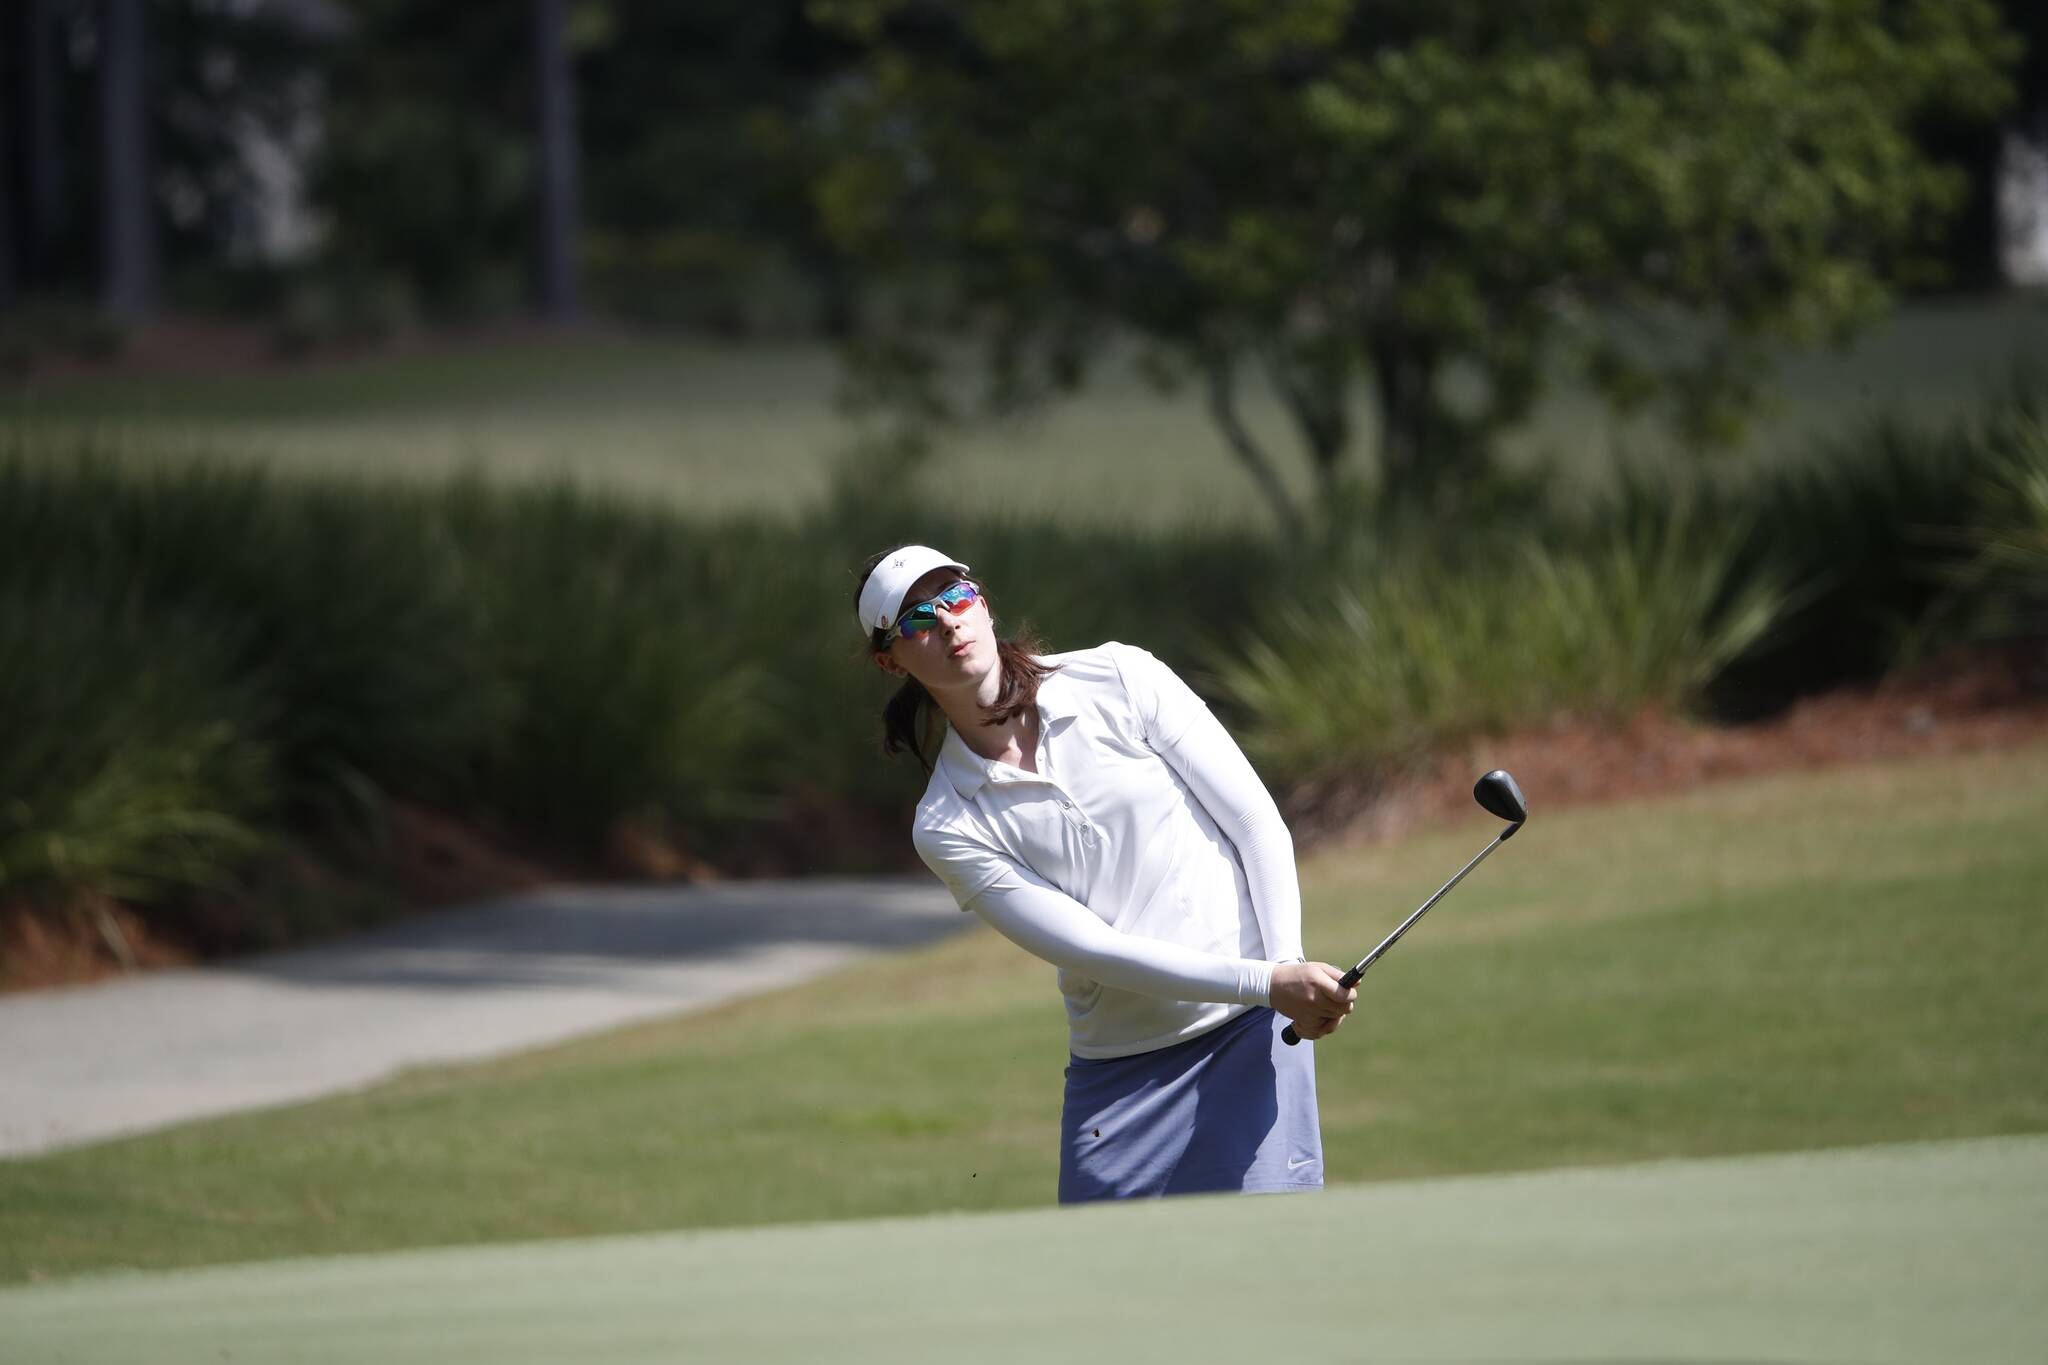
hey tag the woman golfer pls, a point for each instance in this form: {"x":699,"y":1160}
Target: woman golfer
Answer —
{"x":1089,"y":807}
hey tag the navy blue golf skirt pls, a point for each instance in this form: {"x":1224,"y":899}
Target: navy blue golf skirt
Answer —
{"x":1232,"y":1110}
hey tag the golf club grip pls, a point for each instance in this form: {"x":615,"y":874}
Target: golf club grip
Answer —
{"x":1347,"y":981}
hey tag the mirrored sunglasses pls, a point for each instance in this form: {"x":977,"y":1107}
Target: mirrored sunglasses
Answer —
{"x":923,"y":617}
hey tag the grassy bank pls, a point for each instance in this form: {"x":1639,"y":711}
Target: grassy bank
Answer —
{"x":1771,"y":965}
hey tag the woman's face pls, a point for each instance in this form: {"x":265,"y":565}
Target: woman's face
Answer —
{"x":961,"y":650}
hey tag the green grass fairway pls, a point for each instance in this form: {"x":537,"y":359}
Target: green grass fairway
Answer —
{"x":1806,"y":961}
{"x":1915,"y":1253}
{"x":714,"y":429}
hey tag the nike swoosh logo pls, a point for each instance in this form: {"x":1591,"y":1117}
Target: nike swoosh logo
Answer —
{"x":1297,"y":1165}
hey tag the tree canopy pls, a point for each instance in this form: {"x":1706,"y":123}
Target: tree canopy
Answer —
{"x":1388,"y":195}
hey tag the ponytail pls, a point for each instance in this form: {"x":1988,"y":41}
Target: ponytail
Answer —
{"x":907,"y":721}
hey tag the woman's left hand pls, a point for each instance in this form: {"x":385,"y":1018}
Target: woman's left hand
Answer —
{"x":1312,"y":995}
{"x":1322,"y":1028}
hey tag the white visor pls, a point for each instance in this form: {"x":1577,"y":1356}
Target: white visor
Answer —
{"x":881,"y":597}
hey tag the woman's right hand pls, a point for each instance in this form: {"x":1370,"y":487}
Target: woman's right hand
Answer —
{"x":1310,"y":994}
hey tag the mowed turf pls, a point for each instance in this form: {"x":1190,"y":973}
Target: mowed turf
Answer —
{"x":1910,"y":1253}
{"x":720,"y":428}
{"x":1805,"y":961}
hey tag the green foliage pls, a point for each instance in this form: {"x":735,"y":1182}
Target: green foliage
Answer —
{"x":1389,"y":195}
{"x":1409,"y":650}
{"x":349,"y":611}
{"x":424,"y":164}
{"x":630,"y":657}
{"x":711,"y":282}
{"x":693,"y":156}
{"x":132,"y":765}
{"x":226,"y":85}
{"x":1876,"y":531}
{"x":552,"y":662}
{"x":523,"y":659}
{"x":2010,"y":534}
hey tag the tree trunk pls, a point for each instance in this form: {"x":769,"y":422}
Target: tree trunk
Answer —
{"x":128,"y":237}
{"x":557,"y":190}
{"x":42,"y":149}
{"x":1406,"y":376}
{"x":10,"y":56}
{"x":1316,"y":402}
{"x":1223,"y":408}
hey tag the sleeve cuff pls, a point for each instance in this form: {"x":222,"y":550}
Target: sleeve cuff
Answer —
{"x":1255,"y":983}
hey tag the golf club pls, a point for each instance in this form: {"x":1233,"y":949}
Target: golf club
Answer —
{"x":1499,"y":795}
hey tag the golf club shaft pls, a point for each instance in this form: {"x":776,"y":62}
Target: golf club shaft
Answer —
{"x":1350,"y":978}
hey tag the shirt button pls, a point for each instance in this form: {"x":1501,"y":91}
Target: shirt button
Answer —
{"x":1066,"y":804}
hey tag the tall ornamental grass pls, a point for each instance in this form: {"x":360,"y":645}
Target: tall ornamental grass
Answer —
{"x":347,"y":610}
{"x":1408,"y":651}
{"x":2007,"y":574}
{"x":132,"y":763}
{"x":1873,"y":529}
{"x":631,"y":661}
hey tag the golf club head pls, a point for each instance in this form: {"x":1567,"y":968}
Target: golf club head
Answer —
{"x":1499,"y":795}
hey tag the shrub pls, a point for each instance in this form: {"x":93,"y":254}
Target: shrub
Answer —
{"x":1417,"y":650}
{"x":1872,"y":532}
{"x":133,"y":764}
{"x":632,"y":648}
{"x":2001,"y":590}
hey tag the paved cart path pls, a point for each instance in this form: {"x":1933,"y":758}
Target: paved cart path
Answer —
{"x":124,"y":1056}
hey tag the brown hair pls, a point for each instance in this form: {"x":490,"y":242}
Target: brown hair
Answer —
{"x":909,"y":717}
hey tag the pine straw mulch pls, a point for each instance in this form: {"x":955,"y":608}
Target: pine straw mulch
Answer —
{"x":1958,"y":704}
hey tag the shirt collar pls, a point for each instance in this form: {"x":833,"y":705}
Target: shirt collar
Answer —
{"x":1059,"y":698}
{"x":1059,"y":701}
{"x":963,"y":767}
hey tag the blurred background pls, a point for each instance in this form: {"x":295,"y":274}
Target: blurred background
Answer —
{"x":437,"y":442}
{"x":441,"y":436}
{"x":450,"y":430}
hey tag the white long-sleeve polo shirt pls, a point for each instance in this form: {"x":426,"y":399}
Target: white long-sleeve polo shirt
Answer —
{"x":1144,"y":858}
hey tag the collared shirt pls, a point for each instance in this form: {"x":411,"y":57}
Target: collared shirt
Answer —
{"x":1112,"y":819}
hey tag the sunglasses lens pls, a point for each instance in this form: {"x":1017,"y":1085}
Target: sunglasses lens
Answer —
{"x":925,"y":615}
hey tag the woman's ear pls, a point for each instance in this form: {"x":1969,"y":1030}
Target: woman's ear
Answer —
{"x":889,"y":666}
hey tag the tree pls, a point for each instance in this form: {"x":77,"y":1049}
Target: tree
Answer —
{"x":176,"y":98}
{"x":700,"y":165}
{"x":36,"y":154}
{"x":44,"y":217}
{"x":426,"y":171}
{"x":1980,"y":147}
{"x":1393,"y":195}
{"x":458,"y":152}
{"x":7,"y":229}
{"x":127,"y":217}
{"x":557,"y":193}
